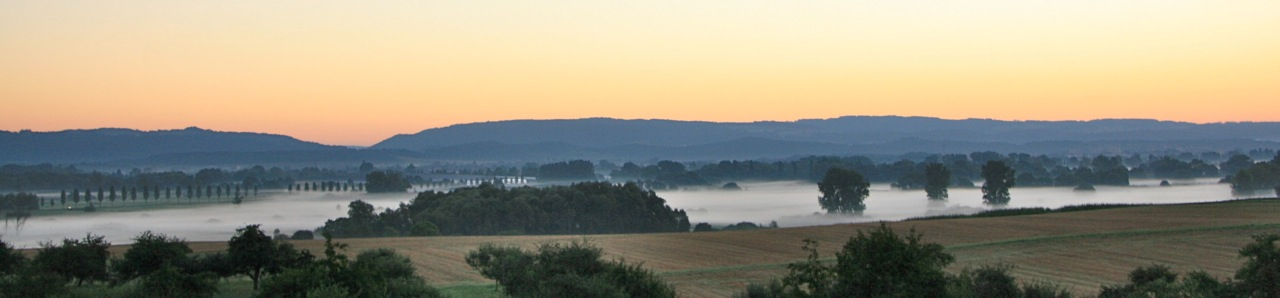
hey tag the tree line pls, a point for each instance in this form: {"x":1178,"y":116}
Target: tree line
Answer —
{"x":581,"y":208}
{"x":1032,"y":170}
{"x":109,"y":195}
{"x":1257,"y":176}
{"x":160,"y":266}
{"x":844,"y":190}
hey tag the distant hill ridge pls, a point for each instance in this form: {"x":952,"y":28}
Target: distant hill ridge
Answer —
{"x":106,"y":144}
{"x":849,"y":130}
{"x":641,"y":140}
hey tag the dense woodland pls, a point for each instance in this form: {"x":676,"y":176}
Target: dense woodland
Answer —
{"x":582,"y":208}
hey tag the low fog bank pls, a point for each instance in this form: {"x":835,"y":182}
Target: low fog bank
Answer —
{"x":287,"y":212}
{"x":789,"y":203}
{"x":795,"y":203}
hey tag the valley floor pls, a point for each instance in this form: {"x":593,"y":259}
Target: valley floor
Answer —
{"x":1081,"y":250}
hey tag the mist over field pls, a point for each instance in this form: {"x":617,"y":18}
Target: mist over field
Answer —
{"x":788,"y":203}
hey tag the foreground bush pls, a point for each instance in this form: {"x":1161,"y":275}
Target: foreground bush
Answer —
{"x":374,"y":273}
{"x":883,"y":264}
{"x":558,"y":270}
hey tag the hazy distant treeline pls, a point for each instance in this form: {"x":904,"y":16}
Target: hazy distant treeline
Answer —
{"x":1033,"y":170}
{"x":907,"y":173}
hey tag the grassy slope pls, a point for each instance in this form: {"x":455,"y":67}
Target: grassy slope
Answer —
{"x":1081,"y":250}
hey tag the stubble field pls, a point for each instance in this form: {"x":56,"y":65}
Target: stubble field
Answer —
{"x":1080,"y":250}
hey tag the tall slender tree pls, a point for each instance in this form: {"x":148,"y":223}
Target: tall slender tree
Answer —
{"x":999,"y":178}
{"x":937,"y":179}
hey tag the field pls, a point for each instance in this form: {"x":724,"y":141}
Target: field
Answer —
{"x":1081,"y":250}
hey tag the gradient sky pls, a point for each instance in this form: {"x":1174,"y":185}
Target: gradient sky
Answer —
{"x":356,"y":72}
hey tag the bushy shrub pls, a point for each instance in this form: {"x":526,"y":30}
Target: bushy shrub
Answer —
{"x":169,"y":281}
{"x":560,"y":270}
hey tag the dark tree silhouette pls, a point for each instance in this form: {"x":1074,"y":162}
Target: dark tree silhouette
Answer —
{"x":251,"y":252}
{"x":1260,"y":276}
{"x":150,"y":252}
{"x":937,"y":178}
{"x":999,"y":178}
{"x":843,"y":191}
{"x":81,"y":260}
{"x":386,"y":181}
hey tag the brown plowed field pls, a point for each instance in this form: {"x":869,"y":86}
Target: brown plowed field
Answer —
{"x":1081,"y":250}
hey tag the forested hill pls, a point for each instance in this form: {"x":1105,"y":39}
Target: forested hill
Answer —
{"x":616,"y":138}
{"x":109,"y":144}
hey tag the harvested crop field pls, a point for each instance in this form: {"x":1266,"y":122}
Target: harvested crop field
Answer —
{"x":1081,"y":250}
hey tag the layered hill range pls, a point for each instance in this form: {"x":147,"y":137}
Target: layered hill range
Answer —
{"x":641,"y":140}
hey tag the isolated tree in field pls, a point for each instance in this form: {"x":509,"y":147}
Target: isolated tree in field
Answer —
{"x":251,"y":252}
{"x":843,"y":191}
{"x":999,"y":178}
{"x":254,"y":254}
{"x":937,"y":179}
{"x":100,"y":197}
{"x":64,"y":197}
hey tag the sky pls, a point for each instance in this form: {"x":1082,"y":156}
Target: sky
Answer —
{"x":357,"y":72}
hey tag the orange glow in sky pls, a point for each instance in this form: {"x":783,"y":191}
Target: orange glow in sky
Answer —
{"x":356,"y":72}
